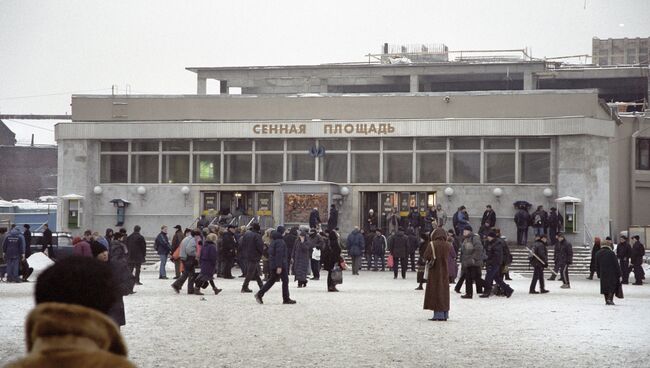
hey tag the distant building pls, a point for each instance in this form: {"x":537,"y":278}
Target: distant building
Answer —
{"x":621,"y":51}
{"x":7,"y":137}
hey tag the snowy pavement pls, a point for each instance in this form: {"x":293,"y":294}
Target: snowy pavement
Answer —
{"x":374,"y":321}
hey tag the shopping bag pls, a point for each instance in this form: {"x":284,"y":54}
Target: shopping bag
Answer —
{"x":337,"y":275}
{"x":390,"y":261}
{"x":619,"y":291}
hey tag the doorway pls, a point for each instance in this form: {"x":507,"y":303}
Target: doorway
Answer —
{"x":400,"y":202}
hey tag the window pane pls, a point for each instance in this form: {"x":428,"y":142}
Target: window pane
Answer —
{"x":303,"y":145}
{"x":643,"y":154}
{"x":365,"y":168}
{"x":114,"y":168}
{"x":237,"y":168}
{"x":176,"y":145}
{"x":534,"y":143}
{"x":240,"y":145}
{"x":115,"y":146}
{"x":300,"y":167}
{"x":465,"y":167}
{"x":499,"y":143}
{"x":268,"y":168}
{"x":365,"y":144}
{"x":144,"y":146}
{"x":499,"y":167}
{"x":465,"y":143}
{"x":176,"y":169}
{"x":394,"y":144}
{"x":207,"y":168}
{"x":334,"y":144}
{"x":431,"y":143}
{"x":535,"y":167}
{"x":398,"y":168}
{"x":207,"y":146}
{"x":431,"y":168}
{"x":334,"y":168}
{"x":144,"y":169}
{"x":269,"y":145}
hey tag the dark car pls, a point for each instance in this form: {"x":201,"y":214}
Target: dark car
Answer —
{"x":61,"y":245}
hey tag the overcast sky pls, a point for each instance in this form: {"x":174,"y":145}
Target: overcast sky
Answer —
{"x":51,"y":49}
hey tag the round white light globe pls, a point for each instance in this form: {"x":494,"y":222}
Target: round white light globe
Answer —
{"x":548,"y":192}
{"x":345,"y":191}
{"x":449,"y":191}
{"x":498,"y":192}
{"x":185,"y":190}
{"x":98,"y":190}
{"x":141,"y":190}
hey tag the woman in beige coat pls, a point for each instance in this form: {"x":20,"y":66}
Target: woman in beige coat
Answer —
{"x":436,"y":296}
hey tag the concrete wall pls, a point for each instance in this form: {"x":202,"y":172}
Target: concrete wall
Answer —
{"x":493,"y":104}
{"x":27,"y":172}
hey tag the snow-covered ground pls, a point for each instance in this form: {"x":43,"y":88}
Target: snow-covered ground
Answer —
{"x":374,"y":321}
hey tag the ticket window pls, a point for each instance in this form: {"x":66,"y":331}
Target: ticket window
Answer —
{"x":570,"y":217}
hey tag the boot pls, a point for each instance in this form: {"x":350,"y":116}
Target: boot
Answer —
{"x":565,"y":286}
{"x":216,"y":290}
{"x":466,"y":296}
{"x":543,"y":291}
{"x":419,"y":287}
{"x":551,"y":278}
{"x":246,"y":290}
{"x":198,"y":292}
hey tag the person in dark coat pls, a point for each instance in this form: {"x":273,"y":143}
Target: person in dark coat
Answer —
{"x":555,"y":224}
{"x":488,"y":221}
{"x":371,"y":221}
{"x":638,"y":251}
{"x":356,"y":245}
{"x":123,"y":280}
{"x":413,"y":244}
{"x":564,"y":259}
{"x":163,"y":248}
{"x":290,"y":240}
{"x":460,"y":220}
{"x":137,"y":251}
{"x":608,"y":271}
{"x":333,"y":219}
{"x":13,"y":248}
{"x":330,"y":257}
{"x":398,"y":248}
{"x":522,"y":221}
{"x":318,"y":244}
{"x":314,"y":218}
{"x":436,"y":295}
{"x":27,"y":234}
{"x":228,"y":248}
{"x":430,"y":220}
{"x":471,"y":262}
{"x":208,"y":264}
{"x":623,"y":253}
{"x":423,"y":244}
{"x":540,"y":220}
{"x":278,"y":268}
{"x":252,"y":247}
{"x":539,"y":263}
{"x":176,"y":241}
{"x":494,"y":263}
{"x":379,"y":244}
{"x":302,"y":258}
{"x":415,"y":220}
{"x":592,"y":264}
{"x":47,"y":242}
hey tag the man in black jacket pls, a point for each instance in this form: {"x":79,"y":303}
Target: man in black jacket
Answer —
{"x":333,"y":219}
{"x":290,"y":240}
{"x":252,"y":247}
{"x":398,"y":247}
{"x":314,"y":218}
{"x":495,"y":255}
{"x":278,"y":265}
{"x":539,"y":261}
{"x":638,"y":251}
{"x":564,"y":259}
{"x":488,"y":221}
{"x":228,"y":247}
{"x":163,"y":248}
{"x":522,"y":220}
{"x":137,"y":247}
{"x":47,"y":242}
{"x":623,"y":253}
{"x":555,"y":223}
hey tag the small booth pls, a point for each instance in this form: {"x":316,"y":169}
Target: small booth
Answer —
{"x":71,"y":212}
{"x":569,"y":208}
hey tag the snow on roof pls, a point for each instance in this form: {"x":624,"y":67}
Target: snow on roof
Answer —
{"x":566,"y":199}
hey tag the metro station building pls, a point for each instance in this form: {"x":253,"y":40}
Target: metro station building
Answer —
{"x":363,"y":136}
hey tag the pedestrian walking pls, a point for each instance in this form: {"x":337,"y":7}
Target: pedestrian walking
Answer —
{"x":163,"y":248}
{"x":423,"y":244}
{"x":314,"y":218}
{"x":488,"y":221}
{"x":436,"y":295}
{"x":176,"y":241}
{"x":413,"y":243}
{"x":623,"y":253}
{"x":278,"y":266}
{"x":252,"y":248}
{"x":208,"y":264}
{"x":47,"y":242}
{"x":379,"y":244}
{"x":356,"y":245}
{"x":228,"y":248}
{"x":330,"y":257}
{"x":333,"y":219}
{"x":592,"y":263}
{"x":13,"y":248}
{"x":188,"y":253}
{"x":636,"y":258}
{"x":609,"y":272}
{"x":472,"y":261}
{"x":302,"y":258}
{"x":137,"y":250}
{"x":122,"y":278}
{"x":565,"y":259}
{"x":398,"y":248}
{"x":539,"y":261}
{"x":494,"y":262}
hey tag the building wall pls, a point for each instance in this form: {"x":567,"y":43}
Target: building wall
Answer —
{"x":27,"y":172}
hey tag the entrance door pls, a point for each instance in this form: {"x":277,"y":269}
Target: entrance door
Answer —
{"x":369,"y":200}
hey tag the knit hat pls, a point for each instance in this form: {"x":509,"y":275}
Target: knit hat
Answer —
{"x":492,"y":234}
{"x":178,"y":227}
{"x":469,"y":228}
{"x":280,"y":229}
{"x":96,"y":248}
{"x":256,"y":227}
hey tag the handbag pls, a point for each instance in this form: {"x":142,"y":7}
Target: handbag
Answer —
{"x":390,"y":261}
{"x":619,"y":291}
{"x":336,"y":275}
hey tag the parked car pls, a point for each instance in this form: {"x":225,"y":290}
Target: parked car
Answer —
{"x":61,"y":245}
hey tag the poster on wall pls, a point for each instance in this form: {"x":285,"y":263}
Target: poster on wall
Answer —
{"x":404,"y":204}
{"x":298,"y":206}
{"x":264,"y":204}
{"x":387,"y":204}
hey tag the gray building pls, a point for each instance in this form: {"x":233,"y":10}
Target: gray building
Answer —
{"x":360,"y":136}
{"x":621,"y":51}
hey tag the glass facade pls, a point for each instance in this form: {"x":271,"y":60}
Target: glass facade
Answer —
{"x":398,"y":160}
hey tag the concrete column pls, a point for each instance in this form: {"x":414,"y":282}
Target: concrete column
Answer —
{"x":223,"y":88}
{"x":530,"y":81}
{"x":201,"y":85}
{"x":415,"y":83}
{"x":323,"y":85}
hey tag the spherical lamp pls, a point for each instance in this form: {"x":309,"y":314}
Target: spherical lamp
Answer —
{"x":449,"y":191}
{"x":548,"y":192}
{"x":345,"y":191}
{"x":141,"y":190}
{"x":98,"y":190}
{"x":185,"y":190}
{"x":498,"y":192}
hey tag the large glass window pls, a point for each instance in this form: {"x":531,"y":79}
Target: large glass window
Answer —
{"x":465,"y":143}
{"x":334,"y":168}
{"x":300,"y":167}
{"x":398,"y":168}
{"x":268,"y":168}
{"x":499,"y":167}
{"x":431,"y":168}
{"x":115,"y":146}
{"x":207,"y":168}
{"x":208,"y":145}
{"x":176,"y":169}
{"x":237,"y":168}
{"x":238,"y":145}
{"x":144,"y":169}
{"x":499,"y":143}
{"x":465,"y":167}
{"x":431,"y":144}
{"x":114,"y":168}
{"x":303,"y":145}
{"x":365,"y":168}
{"x":334,"y":144}
{"x":370,"y":144}
{"x":534,"y":143}
{"x":398,"y":144}
{"x":144,"y":146}
{"x":269,"y":145}
{"x":176,"y":145}
{"x":535,"y":167}
{"x":643,"y":154}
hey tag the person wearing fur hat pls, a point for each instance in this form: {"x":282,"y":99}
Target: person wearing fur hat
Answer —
{"x":69,"y":327}
{"x":539,"y":261}
{"x":609,"y":271}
